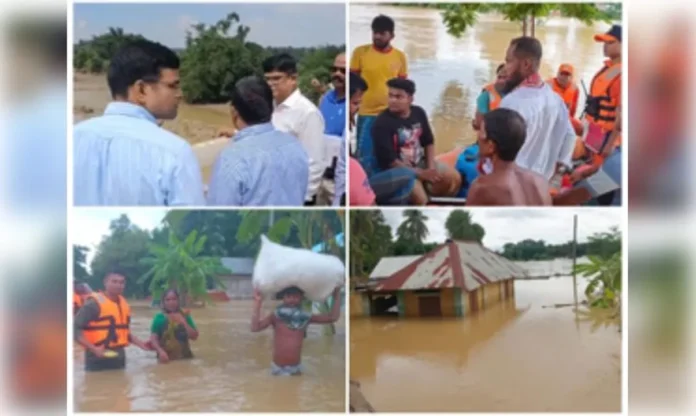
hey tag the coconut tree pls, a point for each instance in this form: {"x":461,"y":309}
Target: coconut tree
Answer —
{"x":414,"y":227}
{"x":179,"y":265}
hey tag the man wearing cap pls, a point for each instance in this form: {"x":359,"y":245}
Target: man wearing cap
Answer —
{"x":563,"y":85}
{"x":603,"y":108}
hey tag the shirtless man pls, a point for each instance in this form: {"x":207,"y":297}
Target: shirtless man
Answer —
{"x":500,"y":138}
{"x":289,"y":322}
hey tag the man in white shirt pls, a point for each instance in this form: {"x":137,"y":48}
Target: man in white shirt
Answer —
{"x":550,"y":134}
{"x":297,"y":115}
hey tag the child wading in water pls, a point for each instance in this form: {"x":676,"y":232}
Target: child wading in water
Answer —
{"x":289,"y":322}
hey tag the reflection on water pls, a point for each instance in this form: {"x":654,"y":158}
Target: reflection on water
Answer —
{"x":449,"y":73}
{"x":516,"y":356}
{"x":231,"y":371}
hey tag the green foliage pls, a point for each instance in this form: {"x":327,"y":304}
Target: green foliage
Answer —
{"x":601,"y":244}
{"x":459,"y":17}
{"x":80,"y":273}
{"x":460,"y":227}
{"x":215,"y":57}
{"x":121,"y":252}
{"x":604,"y":275}
{"x":181,"y":265}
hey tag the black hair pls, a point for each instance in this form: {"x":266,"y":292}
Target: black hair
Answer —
{"x":281,"y":62}
{"x":402,"y":84}
{"x":290,"y":291}
{"x":507,"y":129}
{"x":139,"y":60}
{"x":164,"y":295}
{"x":501,"y":66}
{"x":253,"y":100}
{"x":527,"y":47}
{"x":356,"y":83}
{"x":383,"y":23}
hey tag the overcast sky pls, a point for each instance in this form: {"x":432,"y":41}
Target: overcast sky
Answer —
{"x":510,"y":225}
{"x":271,"y":24}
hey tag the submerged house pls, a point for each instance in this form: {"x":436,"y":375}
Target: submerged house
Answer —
{"x":454,"y":279}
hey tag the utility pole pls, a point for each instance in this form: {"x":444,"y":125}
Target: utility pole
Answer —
{"x":575,"y":248}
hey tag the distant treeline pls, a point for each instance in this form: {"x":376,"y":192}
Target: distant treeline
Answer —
{"x":213,"y":60}
{"x":611,"y":11}
{"x":602,"y":244}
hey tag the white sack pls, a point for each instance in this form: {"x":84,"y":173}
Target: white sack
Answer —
{"x":278,"y":267}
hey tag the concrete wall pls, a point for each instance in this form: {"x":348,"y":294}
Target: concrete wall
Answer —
{"x":358,"y":302}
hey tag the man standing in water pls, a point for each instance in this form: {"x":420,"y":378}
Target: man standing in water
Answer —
{"x":296,"y":114}
{"x":376,"y":63}
{"x":124,"y":157}
{"x":289,"y":322}
{"x":102,"y":327}
{"x":500,"y":138}
{"x":550,"y":136}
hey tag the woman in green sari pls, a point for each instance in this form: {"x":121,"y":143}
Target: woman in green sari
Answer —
{"x":172,"y":329}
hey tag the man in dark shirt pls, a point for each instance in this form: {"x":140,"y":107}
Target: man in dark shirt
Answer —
{"x":500,"y":138}
{"x":95,"y":360}
{"x":402,"y":138}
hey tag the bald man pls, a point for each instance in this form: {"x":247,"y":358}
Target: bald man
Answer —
{"x":333,"y":104}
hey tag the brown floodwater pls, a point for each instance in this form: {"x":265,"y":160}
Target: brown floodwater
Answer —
{"x":230,"y":371}
{"x":449,"y":73}
{"x":515,"y":357}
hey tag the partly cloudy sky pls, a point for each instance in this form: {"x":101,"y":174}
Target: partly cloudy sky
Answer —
{"x":509,"y":225}
{"x":271,"y":24}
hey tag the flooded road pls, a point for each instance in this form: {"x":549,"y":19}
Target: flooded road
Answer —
{"x":516,"y":356}
{"x":230,"y":371}
{"x":449,"y":73}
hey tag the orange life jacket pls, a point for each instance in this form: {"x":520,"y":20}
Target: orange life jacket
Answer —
{"x":112,"y":327}
{"x":77,"y":302}
{"x":600,"y":108}
{"x":495,"y":98}
{"x":567,"y":94}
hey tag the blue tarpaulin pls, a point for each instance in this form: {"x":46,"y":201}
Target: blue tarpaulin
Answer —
{"x":321,"y":247}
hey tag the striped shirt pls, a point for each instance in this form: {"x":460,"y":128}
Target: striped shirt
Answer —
{"x":124,"y":158}
{"x":261,"y":166}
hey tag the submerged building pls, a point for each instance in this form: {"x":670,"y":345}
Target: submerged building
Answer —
{"x":454,"y":279}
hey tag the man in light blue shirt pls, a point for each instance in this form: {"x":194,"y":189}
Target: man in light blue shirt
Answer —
{"x":333,"y":104}
{"x":261,"y":166}
{"x":123,"y":157}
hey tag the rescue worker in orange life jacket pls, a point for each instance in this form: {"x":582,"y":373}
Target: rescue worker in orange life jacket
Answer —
{"x":603,"y":106}
{"x":490,"y":97}
{"x":103,"y":324}
{"x":564,"y":85}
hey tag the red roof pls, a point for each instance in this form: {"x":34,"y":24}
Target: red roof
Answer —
{"x":463,"y":264}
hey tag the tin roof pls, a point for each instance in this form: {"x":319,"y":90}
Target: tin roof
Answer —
{"x":462,"y":264}
{"x":239,"y":265}
{"x":390,"y":265}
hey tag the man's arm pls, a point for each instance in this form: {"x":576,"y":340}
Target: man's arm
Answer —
{"x":137,"y":342}
{"x":403,"y":72}
{"x":311,"y":135}
{"x":574,"y":103}
{"x":258,"y":324}
{"x":383,"y":143}
{"x":427,"y":140}
{"x":186,"y":187}
{"x":564,"y":125}
{"x":615,"y":92}
{"x":479,"y":195}
{"x":88,"y":313}
{"x":355,"y":60}
{"x":335,"y":310}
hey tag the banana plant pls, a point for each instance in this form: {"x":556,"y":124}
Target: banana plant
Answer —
{"x":604,"y":280}
{"x":179,"y":265}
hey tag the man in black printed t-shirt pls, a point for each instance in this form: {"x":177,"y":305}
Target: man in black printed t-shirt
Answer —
{"x":402,"y":138}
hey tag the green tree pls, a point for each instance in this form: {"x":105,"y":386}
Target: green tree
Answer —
{"x":180,"y":265}
{"x":80,"y":273}
{"x":94,"y":55}
{"x":460,"y":227}
{"x":121,"y":252}
{"x":604,"y":275}
{"x":414,"y":227}
{"x":458,"y":18}
{"x":370,"y":240}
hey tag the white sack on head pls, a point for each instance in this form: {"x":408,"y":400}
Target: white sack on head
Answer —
{"x":278,"y":267}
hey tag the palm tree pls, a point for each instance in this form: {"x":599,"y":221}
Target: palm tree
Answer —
{"x":414,"y":227}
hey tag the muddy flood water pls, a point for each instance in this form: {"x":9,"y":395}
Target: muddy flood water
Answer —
{"x":449,"y":73}
{"x":230,"y":371}
{"x":516,"y":356}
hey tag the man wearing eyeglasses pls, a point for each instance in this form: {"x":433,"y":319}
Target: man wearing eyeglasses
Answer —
{"x":333,"y":104}
{"x":296,"y":114}
{"x":124,"y":157}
